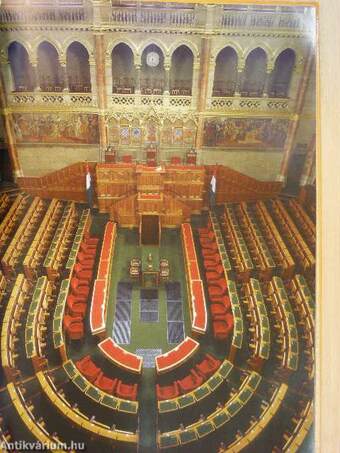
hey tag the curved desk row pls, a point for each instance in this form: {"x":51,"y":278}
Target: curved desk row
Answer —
{"x":96,"y":394}
{"x":102,"y":284}
{"x":83,"y":227}
{"x":78,"y":418}
{"x":300,"y":432}
{"x":215,"y":420}
{"x":177,"y":356}
{"x":120,"y":356}
{"x":12,"y":218}
{"x":288,"y":323}
{"x":258,"y":427}
{"x":220,"y":244}
{"x":31,"y":424}
{"x":58,"y":333}
{"x":199,"y":393}
{"x":237,"y":339}
{"x":198,"y":310}
{"x":38,"y":304}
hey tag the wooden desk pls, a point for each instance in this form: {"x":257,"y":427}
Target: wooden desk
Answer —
{"x":121,"y":357}
{"x":177,"y":356}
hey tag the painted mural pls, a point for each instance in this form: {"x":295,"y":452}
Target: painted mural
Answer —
{"x":54,"y":128}
{"x":245,"y":132}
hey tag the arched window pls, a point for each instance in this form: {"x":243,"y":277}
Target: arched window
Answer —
{"x":282,"y":74}
{"x":181,"y":71}
{"x":123,"y":70}
{"x":225,"y":73}
{"x":255,"y":73}
{"x":152,"y":73}
{"x":78,"y":68}
{"x":21,"y":67}
{"x":49,"y":69}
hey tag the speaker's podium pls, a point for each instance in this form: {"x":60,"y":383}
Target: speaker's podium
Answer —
{"x":150,"y":201}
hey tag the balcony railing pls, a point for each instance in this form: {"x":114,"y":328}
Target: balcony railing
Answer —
{"x":250,"y":104}
{"x":198,"y":17}
{"x":51,"y":99}
{"x":156,"y":101}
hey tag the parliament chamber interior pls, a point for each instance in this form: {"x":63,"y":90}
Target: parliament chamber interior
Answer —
{"x":157,"y":226}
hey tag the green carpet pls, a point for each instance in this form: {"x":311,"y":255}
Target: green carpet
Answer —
{"x":127,"y":246}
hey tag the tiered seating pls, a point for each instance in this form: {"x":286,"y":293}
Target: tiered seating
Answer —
{"x":26,"y":412}
{"x":300,"y":425}
{"x":177,"y":356}
{"x":300,"y":250}
{"x":215,"y":226}
{"x":58,"y":317}
{"x":80,"y":419}
{"x":5,"y":203}
{"x":259,"y":322}
{"x":202,"y":380}
{"x":62,"y":240}
{"x":303,"y":304}
{"x":237,"y":340}
{"x":278,"y":248}
{"x":12,"y":219}
{"x":3,"y":285}
{"x":216,"y":276}
{"x":303,"y":222}
{"x":82,"y":240}
{"x":35,"y":328}
{"x":102,"y":390}
{"x":18,"y":245}
{"x":235,"y":240}
{"x":215,"y":420}
{"x":39,"y":246}
{"x":197,"y":302}
{"x":11,"y":325}
{"x":102,"y":283}
{"x":257,"y":426}
{"x":257,"y":246}
{"x":119,"y":356}
{"x":289,"y":341}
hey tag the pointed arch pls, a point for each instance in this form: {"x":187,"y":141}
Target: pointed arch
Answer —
{"x":78,"y":68}
{"x":282,"y":73}
{"x":225,"y":76}
{"x":254,"y":73}
{"x":21,"y":68}
{"x":181,"y":72}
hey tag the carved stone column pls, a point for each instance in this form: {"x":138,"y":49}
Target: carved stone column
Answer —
{"x":167,"y":78}
{"x":268,"y":81}
{"x":195,"y":78}
{"x":295,"y":118}
{"x":101,"y":92}
{"x":211,"y":76}
{"x":7,"y":73}
{"x":307,"y":175}
{"x":64,"y":75}
{"x":239,"y":79}
{"x":93,"y":80}
{"x":36,"y":81}
{"x":203,"y":88}
{"x":138,"y":69}
{"x":9,"y":132}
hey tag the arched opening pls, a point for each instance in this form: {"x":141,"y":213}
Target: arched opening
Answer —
{"x":78,"y":68}
{"x":123,"y":70}
{"x":255,"y":73}
{"x":22,"y":72}
{"x":181,"y":71}
{"x":282,"y":74}
{"x":225,"y":73}
{"x":152,"y":72}
{"x":49,"y":69}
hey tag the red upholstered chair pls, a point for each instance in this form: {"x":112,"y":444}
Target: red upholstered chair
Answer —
{"x":74,"y":327}
{"x":81,"y":273}
{"x":88,"y":249}
{"x":218,"y":311}
{"x":206,"y":230}
{"x":221,"y":283}
{"x":210,"y":237}
{"x":208,"y":366}
{"x":216,"y":274}
{"x":91,"y":240}
{"x":223,"y":300}
{"x":175,"y":160}
{"x":88,"y":368}
{"x":215,"y":292}
{"x":127,"y":159}
{"x":79,"y":287}
{"x":76,"y":308}
{"x":208,"y":252}
{"x":77,"y":299}
{"x":126,"y":391}
{"x":190,"y":382}
{"x":105,"y":383}
{"x":85,"y":260}
{"x":222,"y":329}
{"x":167,"y":392}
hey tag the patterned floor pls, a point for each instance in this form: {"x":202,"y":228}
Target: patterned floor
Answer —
{"x":149,"y":311}
{"x":175,"y":319}
{"x":122,"y":319}
{"x":148,"y":356}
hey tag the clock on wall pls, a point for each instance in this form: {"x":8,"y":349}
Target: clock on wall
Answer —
{"x":152,"y":59}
